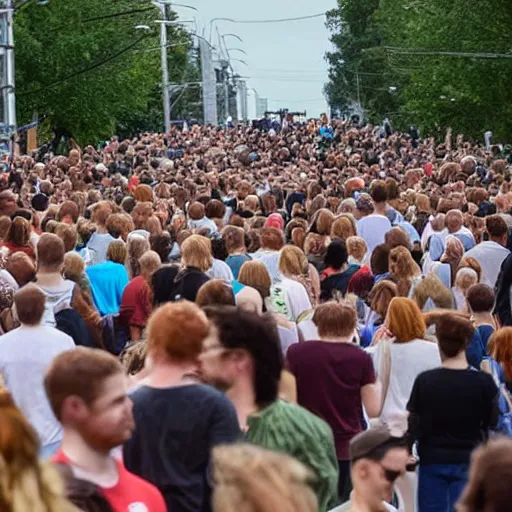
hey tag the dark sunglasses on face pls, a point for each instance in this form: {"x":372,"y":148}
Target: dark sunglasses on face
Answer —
{"x":391,"y":475}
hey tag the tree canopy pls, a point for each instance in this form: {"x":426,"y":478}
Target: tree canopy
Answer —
{"x":84,"y":65}
{"x":394,"y":48}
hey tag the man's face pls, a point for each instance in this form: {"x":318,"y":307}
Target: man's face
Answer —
{"x":216,"y":367}
{"x":380,"y":477}
{"x":140,"y":216}
{"x":108,"y":421}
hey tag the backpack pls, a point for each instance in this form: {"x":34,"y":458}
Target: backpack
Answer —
{"x":504,"y":425}
{"x":71,"y":323}
{"x":114,"y":336}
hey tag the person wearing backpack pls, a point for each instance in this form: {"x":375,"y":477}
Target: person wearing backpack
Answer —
{"x":25,"y":353}
{"x":499,"y":365}
{"x":63,"y":297}
{"x":451,"y":410}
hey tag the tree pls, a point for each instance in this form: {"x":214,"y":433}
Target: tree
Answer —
{"x":84,"y":65}
{"x":471,"y":95}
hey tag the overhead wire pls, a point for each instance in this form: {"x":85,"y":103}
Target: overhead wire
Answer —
{"x":279,"y":20}
{"x":92,"y":67}
{"x":117,"y":14}
{"x":435,"y":53}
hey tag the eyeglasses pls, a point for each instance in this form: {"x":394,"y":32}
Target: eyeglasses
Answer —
{"x":391,"y":475}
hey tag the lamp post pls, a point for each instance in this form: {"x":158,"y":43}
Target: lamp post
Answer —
{"x":162,"y":5}
{"x":236,"y":50}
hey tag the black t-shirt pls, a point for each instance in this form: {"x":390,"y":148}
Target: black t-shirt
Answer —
{"x":176,"y":429}
{"x":450,"y":413}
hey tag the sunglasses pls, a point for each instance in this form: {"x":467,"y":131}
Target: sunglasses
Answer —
{"x":391,"y":475}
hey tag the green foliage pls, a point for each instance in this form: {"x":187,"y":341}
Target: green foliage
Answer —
{"x":471,"y":95}
{"x":56,"y":41}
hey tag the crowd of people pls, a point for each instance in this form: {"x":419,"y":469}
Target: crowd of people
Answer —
{"x":310,"y":318}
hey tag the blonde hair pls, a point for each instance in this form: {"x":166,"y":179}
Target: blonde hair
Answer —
{"x":117,"y":252}
{"x":137,"y":245}
{"x":251,"y":479}
{"x":196,"y":252}
{"x":433,"y":288}
{"x":465,"y":278}
{"x":357,"y":248}
{"x":26,"y":484}
{"x":292,"y":261}
{"x":404,"y":268}
{"x":381,"y":296}
{"x":255,"y":274}
{"x":343,"y":227}
{"x":74,"y":266}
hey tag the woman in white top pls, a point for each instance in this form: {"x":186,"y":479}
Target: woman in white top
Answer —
{"x":253,"y":274}
{"x":410,"y":355}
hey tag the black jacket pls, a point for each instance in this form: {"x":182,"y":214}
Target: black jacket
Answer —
{"x":503,"y":284}
{"x":337,"y":282}
{"x":187,"y":284}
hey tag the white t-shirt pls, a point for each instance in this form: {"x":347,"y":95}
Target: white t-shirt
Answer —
{"x":287,"y":336}
{"x":347,"y":507}
{"x":220,"y":270}
{"x":373,"y":230}
{"x":296,"y":298}
{"x":25,"y":354}
{"x":408,"y":360}
{"x":271,"y":261}
{"x":490,"y":255}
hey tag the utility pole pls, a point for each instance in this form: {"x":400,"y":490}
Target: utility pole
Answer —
{"x":226,"y":95}
{"x":358,"y":91}
{"x":7,"y":67}
{"x":165,"y":70}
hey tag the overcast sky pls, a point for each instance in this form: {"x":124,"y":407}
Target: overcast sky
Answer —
{"x":285,"y":60}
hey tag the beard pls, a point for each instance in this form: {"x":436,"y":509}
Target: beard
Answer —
{"x":217,"y":381}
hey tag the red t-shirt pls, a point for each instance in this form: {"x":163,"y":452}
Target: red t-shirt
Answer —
{"x":130,"y":494}
{"x":329,"y":380}
{"x":136,"y":303}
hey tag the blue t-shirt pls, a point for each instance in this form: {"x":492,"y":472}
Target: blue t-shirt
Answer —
{"x":235,"y":263}
{"x":485,"y":332}
{"x":108,"y":281}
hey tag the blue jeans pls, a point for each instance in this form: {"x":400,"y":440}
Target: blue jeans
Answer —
{"x":440,"y":486}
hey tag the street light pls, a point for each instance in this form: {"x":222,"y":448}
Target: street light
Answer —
{"x":162,"y":5}
{"x":242,"y":61}
{"x":233,"y":35}
{"x":236,"y":50}
{"x":217,"y":19}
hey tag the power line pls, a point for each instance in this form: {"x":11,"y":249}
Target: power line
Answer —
{"x":297,"y":101}
{"x":280,"y":20}
{"x":85,"y":70}
{"x":277,"y":70}
{"x":117,"y":14}
{"x":477,"y":55}
{"x":287,"y":79}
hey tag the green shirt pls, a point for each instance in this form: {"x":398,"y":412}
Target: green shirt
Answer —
{"x":291,"y":429}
